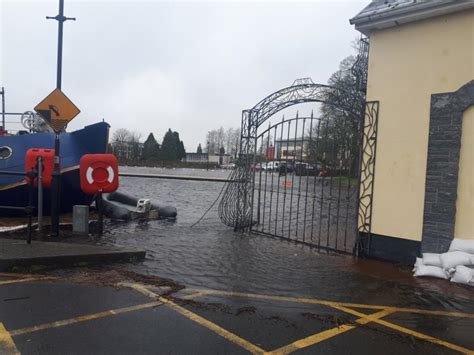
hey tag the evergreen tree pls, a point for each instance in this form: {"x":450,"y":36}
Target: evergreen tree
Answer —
{"x":181,"y":152}
{"x":169,"y":148}
{"x":199,"y":149}
{"x":151,"y":148}
{"x":172,"y":149}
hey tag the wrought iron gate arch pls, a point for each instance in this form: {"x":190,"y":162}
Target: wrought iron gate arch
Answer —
{"x":350,"y":102}
{"x":235,"y":207}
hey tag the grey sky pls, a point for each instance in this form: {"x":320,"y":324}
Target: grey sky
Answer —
{"x":153,"y":65}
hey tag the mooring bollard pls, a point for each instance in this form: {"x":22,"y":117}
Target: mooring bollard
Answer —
{"x":80,"y":219}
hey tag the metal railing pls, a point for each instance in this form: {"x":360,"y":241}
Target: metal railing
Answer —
{"x":29,"y":208}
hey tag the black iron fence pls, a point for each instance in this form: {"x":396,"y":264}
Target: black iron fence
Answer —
{"x":305,"y":182}
{"x":29,"y":209}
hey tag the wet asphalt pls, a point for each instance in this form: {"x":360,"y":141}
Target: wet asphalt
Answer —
{"x":71,"y":315}
{"x":216,"y":291}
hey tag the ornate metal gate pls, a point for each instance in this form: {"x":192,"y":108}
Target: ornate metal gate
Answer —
{"x":307,"y":179}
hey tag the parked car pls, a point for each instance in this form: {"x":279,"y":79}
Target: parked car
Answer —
{"x":303,"y":168}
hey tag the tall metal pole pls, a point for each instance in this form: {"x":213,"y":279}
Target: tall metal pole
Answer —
{"x":3,"y":108}
{"x":56,"y":186}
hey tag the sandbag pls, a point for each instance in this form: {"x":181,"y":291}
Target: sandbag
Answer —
{"x":463,"y":275}
{"x":462,"y":245}
{"x":418,"y":262}
{"x":454,"y":258}
{"x":429,"y":270}
{"x":431,"y":259}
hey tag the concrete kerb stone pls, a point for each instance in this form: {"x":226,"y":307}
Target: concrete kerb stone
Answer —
{"x":15,"y":253}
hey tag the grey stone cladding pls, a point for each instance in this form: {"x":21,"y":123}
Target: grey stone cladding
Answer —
{"x":444,"y":148}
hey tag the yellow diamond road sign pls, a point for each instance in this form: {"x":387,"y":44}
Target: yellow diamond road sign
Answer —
{"x":57,"y":110}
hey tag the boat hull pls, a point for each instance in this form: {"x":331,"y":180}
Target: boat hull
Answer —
{"x":13,"y":189}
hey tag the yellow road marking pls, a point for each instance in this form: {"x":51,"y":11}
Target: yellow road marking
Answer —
{"x":200,"y":320}
{"x":85,"y":318}
{"x":409,"y":331}
{"x":327,"y":334}
{"x":11,"y":274}
{"x":194,"y":295}
{"x":28,"y":279}
{"x":7,"y":345}
{"x":24,"y":276}
{"x":331,"y":303}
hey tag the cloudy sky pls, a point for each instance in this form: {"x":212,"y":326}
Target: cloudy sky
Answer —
{"x":152,"y":65}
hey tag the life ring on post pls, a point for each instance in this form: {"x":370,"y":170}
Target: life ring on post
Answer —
{"x":99,"y":173}
{"x":31,"y":162}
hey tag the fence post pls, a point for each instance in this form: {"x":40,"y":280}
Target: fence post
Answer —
{"x":29,"y":208}
{"x":100,"y":210}
{"x":40,"y":194}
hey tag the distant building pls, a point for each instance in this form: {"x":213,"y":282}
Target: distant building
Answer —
{"x":293,"y":149}
{"x":196,"y":157}
{"x":221,"y":159}
{"x":270,"y":154}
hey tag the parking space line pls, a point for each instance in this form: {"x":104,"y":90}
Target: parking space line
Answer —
{"x":409,"y":331}
{"x":194,"y":295}
{"x":330,"y":333}
{"x":331,"y":303}
{"x":199,"y":320}
{"x":12,"y":274}
{"x":7,"y":345}
{"x":84,"y":318}
{"x":28,"y":279}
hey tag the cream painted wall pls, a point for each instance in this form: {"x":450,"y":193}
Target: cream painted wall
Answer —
{"x":406,"y":65}
{"x":465,"y":201}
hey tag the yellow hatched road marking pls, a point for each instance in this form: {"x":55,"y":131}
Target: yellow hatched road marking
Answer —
{"x":11,"y":274}
{"x":7,"y":345}
{"x":409,"y":331}
{"x":84,"y":318}
{"x":327,"y":334}
{"x":194,"y":295}
{"x":331,"y":303}
{"x":200,"y":320}
{"x":28,"y":279}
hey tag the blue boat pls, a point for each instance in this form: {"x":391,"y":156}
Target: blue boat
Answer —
{"x":91,"y":139}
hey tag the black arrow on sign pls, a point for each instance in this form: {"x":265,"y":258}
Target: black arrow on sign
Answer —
{"x":54,"y":109}
{"x":46,"y":114}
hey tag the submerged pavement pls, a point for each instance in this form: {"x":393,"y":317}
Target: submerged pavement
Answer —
{"x":115,"y":311}
{"x":228,"y":292}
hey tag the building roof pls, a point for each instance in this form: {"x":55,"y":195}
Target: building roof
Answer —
{"x":381,"y":14}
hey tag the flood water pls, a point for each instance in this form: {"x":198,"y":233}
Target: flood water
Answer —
{"x":211,"y":255}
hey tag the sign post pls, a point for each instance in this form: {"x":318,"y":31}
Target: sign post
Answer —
{"x":57,"y":110}
{"x":58,"y":116}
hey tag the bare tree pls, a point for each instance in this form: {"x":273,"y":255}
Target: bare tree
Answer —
{"x":220,"y":138}
{"x":120,"y":140}
{"x":229,"y":139}
{"x":211,"y":142}
{"x":134,"y":143}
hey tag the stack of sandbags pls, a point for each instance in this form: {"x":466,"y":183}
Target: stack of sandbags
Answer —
{"x":457,"y":264}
